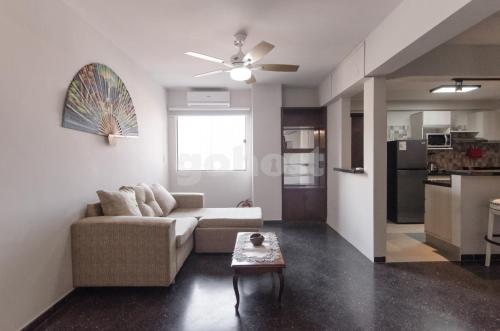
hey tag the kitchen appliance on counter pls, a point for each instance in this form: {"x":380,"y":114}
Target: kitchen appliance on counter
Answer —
{"x":406,"y":172}
{"x":432,"y":167}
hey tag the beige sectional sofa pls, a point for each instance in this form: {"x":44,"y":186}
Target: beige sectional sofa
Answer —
{"x":149,"y":251}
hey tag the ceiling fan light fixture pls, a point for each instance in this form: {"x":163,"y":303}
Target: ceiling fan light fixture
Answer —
{"x":204,"y":57}
{"x":240,"y":74}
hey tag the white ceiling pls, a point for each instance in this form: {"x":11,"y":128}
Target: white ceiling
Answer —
{"x":315,"y":34}
{"x":486,"y":32}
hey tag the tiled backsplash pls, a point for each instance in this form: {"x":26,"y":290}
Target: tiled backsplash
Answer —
{"x":457,"y":157}
{"x":397,"y":132}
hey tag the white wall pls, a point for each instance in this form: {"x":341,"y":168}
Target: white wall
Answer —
{"x":266,"y":108}
{"x":300,"y":96}
{"x":356,"y":202}
{"x":221,"y":188}
{"x":49,"y":173}
{"x":348,"y":210}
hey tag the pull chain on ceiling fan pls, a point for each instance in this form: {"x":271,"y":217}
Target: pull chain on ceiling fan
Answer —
{"x":242,"y":65}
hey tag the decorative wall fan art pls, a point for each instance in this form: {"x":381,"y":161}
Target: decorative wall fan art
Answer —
{"x":98,"y":102}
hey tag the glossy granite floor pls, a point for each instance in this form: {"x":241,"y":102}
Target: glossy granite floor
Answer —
{"x":329,"y":286}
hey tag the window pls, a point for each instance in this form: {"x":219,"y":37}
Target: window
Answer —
{"x":211,"y":143}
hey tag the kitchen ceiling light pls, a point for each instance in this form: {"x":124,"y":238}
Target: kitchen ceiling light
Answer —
{"x":459,"y":87}
{"x":454,"y":89}
{"x":240,"y":73}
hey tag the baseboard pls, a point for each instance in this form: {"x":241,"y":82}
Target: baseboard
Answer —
{"x":272,"y":221}
{"x":379,"y":259}
{"x":478,"y":258}
{"x":49,"y":312}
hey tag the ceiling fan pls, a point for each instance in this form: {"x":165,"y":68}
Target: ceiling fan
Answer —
{"x":241,"y":65}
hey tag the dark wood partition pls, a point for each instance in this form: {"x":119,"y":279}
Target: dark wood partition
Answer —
{"x":303,"y":133}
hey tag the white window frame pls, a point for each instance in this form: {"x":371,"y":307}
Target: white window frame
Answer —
{"x":246,"y":145}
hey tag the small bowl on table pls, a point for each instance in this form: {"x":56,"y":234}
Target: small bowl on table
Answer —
{"x":257,"y":239}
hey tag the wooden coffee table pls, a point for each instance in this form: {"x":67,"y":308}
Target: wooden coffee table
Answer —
{"x":248,"y":259}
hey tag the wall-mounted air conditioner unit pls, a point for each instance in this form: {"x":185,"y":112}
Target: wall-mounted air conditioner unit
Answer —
{"x":208,"y":98}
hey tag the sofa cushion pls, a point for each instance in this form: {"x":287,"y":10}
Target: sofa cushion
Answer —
{"x":166,"y":201}
{"x":121,"y":203}
{"x":146,"y":198}
{"x":188,"y":212}
{"x":222,"y":217}
{"x":231,"y":218}
{"x":184,"y":228}
{"x":94,"y":209}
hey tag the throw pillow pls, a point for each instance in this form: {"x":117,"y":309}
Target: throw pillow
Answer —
{"x":146,"y":200}
{"x":121,"y":203}
{"x":166,"y":201}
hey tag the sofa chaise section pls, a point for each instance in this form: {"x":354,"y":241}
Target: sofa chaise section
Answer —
{"x":217,"y":227}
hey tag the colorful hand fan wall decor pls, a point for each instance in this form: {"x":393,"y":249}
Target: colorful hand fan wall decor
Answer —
{"x":98,"y":102}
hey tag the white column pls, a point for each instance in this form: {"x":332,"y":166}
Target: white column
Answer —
{"x":339,"y":144}
{"x":266,"y":115}
{"x":375,"y":157}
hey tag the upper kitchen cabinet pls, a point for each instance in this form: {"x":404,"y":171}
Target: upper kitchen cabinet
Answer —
{"x":486,"y":123}
{"x":428,"y":119}
{"x":437,"y":118}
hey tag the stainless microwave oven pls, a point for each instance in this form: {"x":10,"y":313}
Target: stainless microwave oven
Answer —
{"x":438,"y":140}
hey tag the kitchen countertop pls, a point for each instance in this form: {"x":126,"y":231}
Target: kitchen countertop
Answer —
{"x":438,"y":179}
{"x":444,"y":183}
{"x":443,"y":177}
{"x":350,"y":170}
{"x":474,"y":172}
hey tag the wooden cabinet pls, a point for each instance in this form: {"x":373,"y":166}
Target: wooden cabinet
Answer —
{"x":304,"y":204}
{"x":304,"y":164}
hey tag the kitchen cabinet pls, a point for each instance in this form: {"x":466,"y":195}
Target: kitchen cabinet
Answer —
{"x":304,"y":204}
{"x":438,"y":220}
{"x":437,"y":118}
{"x":487,"y":123}
{"x":428,"y":119}
{"x":416,"y":125}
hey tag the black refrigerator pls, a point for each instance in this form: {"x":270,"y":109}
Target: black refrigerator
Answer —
{"x":406,"y":172}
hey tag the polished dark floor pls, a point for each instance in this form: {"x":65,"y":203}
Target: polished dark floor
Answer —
{"x":329,"y":286}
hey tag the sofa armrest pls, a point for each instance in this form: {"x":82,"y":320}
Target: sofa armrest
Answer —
{"x":189,"y":200}
{"x":123,"y":251}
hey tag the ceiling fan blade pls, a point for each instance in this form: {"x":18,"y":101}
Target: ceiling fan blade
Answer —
{"x":209,"y":73}
{"x":204,"y":57}
{"x":252,"y":80}
{"x":279,"y":67}
{"x":258,"y":52}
